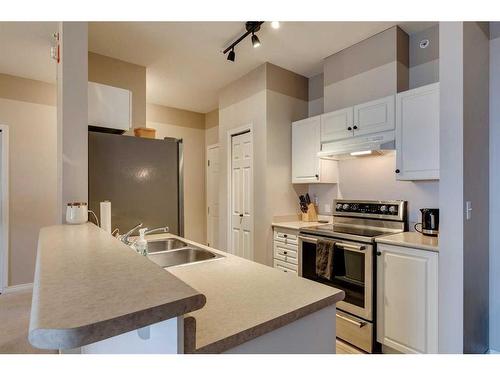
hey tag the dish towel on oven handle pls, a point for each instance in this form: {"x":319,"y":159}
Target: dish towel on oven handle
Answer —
{"x":324,"y":259}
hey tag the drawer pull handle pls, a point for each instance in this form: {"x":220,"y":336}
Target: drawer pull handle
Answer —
{"x":352,"y":321}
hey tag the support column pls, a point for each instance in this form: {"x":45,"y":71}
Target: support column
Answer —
{"x":72,"y":124}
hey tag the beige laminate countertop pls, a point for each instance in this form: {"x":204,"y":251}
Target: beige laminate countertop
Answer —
{"x":411,"y":239}
{"x":297,"y":225}
{"x":246,"y":300}
{"x":89,"y":286}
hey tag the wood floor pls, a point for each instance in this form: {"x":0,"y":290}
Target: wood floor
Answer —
{"x":14,"y":322}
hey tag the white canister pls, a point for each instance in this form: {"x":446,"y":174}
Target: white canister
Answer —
{"x":77,"y":213}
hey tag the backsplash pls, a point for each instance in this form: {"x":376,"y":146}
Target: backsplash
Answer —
{"x":372,"y":177}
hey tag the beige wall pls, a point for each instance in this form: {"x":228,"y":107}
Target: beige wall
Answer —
{"x":372,"y":178}
{"x":269,"y":98}
{"x":33,"y":169}
{"x":369,"y":70}
{"x":190,"y":126}
{"x":212,"y":127}
{"x":118,"y":73}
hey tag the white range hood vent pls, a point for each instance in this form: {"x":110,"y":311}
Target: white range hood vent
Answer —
{"x":374,"y":142}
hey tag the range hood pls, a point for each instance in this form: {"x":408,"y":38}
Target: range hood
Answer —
{"x":358,"y":145}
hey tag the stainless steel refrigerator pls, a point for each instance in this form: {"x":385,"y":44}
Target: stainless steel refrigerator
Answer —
{"x":141,"y":177}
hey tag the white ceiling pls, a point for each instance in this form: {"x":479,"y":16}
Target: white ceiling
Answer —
{"x":185,"y":65}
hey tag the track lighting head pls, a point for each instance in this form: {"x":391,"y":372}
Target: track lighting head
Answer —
{"x":231,"y":55}
{"x":255,"y":41}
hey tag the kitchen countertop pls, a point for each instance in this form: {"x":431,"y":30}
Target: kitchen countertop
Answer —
{"x":297,"y":225}
{"x":411,"y":239}
{"x":246,"y":300}
{"x":89,"y":286}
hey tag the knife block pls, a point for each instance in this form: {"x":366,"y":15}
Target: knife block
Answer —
{"x":311,"y":214}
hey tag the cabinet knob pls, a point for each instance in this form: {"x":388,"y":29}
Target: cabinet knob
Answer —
{"x":355,"y":127}
{"x":317,"y":176}
{"x":379,"y":253}
{"x":284,"y":252}
{"x":241,"y":215}
{"x":397,"y":171}
{"x":285,"y":235}
{"x":349,"y":128}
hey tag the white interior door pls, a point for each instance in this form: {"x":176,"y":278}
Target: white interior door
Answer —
{"x":213,"y":196}
{"x":242,"y":195}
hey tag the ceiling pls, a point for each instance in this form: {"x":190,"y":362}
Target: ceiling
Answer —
{"x":185,"y":65}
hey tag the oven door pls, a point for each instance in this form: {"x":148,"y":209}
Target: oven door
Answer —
{"x":352,"y":272}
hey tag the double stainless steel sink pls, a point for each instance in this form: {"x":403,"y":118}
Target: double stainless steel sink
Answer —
{"x":173,"y":252}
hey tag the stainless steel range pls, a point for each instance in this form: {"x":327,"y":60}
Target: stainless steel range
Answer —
{"x":352,"y":238}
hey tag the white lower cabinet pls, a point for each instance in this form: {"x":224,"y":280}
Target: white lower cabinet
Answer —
{"x":286,"y":250}
{"x":407,"y":299}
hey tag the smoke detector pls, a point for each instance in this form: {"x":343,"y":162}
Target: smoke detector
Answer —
{"x":424,"y":43}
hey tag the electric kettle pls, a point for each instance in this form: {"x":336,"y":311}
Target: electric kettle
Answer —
{"x":430,"y":222}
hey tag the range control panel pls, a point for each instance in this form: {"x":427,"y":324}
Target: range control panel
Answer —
{"x":386,"y":209}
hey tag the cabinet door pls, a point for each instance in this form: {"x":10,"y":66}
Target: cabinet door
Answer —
{"x":417,"y":134}
{"x":305,"y":148}
{"x":337,"y":125}
{"x":375,"y":116}
{"x":109,"y":107}
{"x":407,"y":299}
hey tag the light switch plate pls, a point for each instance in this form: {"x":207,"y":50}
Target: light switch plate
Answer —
{"x":468,"y":210}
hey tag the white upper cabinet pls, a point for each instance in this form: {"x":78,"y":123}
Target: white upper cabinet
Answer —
{"x":367,"y":118}
{"x":407,"y":299}
{"x":307,"y":167}
{"x":374,"y":117}
{"x":417,"y":134}
{"x":337,"y":125}
{"x":109,"y":107}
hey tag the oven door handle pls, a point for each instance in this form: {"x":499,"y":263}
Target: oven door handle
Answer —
{"x":351,"y":321}
{"x":345,"y":246}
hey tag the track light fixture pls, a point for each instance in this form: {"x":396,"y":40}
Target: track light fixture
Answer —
{"x":252,"y":27}
{"x":255,"y":41}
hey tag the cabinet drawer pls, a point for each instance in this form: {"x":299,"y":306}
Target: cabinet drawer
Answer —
{"x":286,"y":253}
{"x":355,"y":331}
{"x":287,"y":236}
{"x":285,"y":267}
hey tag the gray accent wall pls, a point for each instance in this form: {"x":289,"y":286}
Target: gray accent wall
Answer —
{"x":316,"y":88}
{"x":424,"y":62}
{"x":464,"y":167}
{"x":494,"y":186}
{"x":476,"y":186}
{"x":369,"y":70}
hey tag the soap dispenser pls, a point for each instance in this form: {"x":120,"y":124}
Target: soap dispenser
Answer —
{"x":141,"y":245}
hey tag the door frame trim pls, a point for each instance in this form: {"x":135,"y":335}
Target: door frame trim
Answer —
{"x":230,"y":133}
{"x":209,"y":147}
{"x":4,"y":218}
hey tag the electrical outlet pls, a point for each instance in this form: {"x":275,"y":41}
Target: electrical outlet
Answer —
{"x":468,"y":210}
{"x":328,"y":208}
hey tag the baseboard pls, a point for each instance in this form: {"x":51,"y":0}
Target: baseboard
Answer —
{"x":17,"y":288}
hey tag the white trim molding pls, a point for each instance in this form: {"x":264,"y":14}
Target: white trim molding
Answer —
{"x":4,"y":214}
{"x":18,"y":288}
